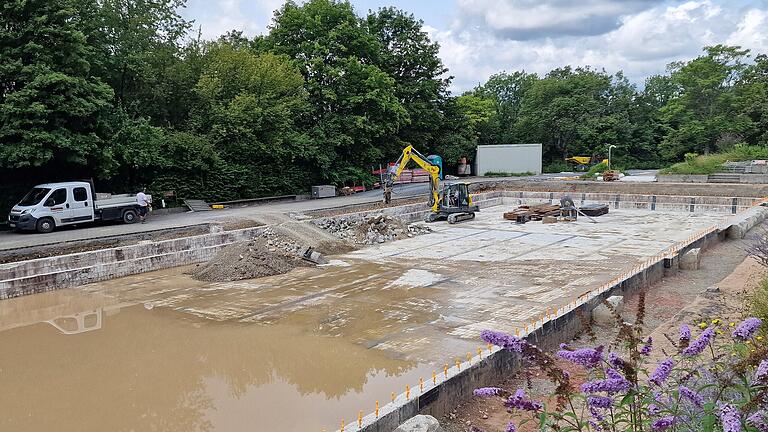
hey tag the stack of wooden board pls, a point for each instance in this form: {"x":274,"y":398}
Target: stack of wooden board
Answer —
{"x":533,"y":212}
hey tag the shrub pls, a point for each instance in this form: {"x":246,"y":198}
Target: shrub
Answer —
{"x":715,"y":381}
{"x":557,"y":167}
{"x":507,"y":174}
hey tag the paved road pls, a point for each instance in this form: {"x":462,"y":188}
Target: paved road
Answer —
{"x":12,"y":240}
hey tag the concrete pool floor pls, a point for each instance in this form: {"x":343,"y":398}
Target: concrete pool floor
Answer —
{"x":297,"y":352}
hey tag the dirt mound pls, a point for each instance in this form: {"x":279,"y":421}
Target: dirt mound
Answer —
{"x":256,"y":258}
{"x":371,"y":229}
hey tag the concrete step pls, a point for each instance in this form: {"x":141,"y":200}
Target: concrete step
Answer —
{"x":724,"y":178}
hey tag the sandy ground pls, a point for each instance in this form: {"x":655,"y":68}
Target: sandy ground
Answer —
{"x":716,"y":290}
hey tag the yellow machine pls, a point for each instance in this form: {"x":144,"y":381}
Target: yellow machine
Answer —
{"x":453,"y":203}
{"x":583,"y":162}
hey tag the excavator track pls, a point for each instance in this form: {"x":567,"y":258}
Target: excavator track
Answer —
{"x":460,"y":217}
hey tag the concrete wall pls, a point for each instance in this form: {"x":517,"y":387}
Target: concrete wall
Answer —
{"x":704,"y":178}
{"x":684,"y":189}
{"x":45,"y":274}
{"x":509,"y":158}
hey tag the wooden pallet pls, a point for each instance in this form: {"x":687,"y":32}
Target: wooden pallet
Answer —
{"x":533,"y":212}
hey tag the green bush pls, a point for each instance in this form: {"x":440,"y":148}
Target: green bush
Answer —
{"x":712,"y":163}
{"x":557,"y":167}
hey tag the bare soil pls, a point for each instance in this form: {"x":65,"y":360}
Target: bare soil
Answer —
{"x":716,"y":290}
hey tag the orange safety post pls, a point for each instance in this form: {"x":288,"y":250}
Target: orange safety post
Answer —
{"x":360,"y":419}
{"x":342,"y":425}
{"x":377,"y":409}
{"x":407,"y":392}
{"x":469,"y":357}
{"x":480,"y":353}
{"x":393,"y":397}
{"x":445,"y":370}
{"x":421,"y":385}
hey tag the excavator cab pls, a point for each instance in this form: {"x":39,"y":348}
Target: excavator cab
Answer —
{"x":455,"y":204}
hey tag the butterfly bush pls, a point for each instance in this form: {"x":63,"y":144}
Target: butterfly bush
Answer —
{"x":715,"y":381}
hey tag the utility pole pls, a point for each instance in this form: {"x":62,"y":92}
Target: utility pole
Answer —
{"x":609,"y":155}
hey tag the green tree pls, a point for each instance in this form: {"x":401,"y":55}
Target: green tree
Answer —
{"x":465,"y":118}
{"x":566,"y":112}
{"x":250,"y":107}
{"x":51,"y":106}
{"x":412,"y":60}
{"x":355,"y":111}
{"x":704,"y":108}
{"x":507,"y":90}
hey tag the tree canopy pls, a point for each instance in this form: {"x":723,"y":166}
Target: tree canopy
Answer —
{"x":123,"y":91}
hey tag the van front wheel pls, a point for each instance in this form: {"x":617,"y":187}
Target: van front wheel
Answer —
{"x":45,"y":225}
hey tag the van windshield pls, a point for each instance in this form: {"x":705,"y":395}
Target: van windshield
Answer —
{"x":34,"y":196}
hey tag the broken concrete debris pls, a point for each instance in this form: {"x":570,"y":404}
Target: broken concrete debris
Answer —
{"x":691,"y":259}
{"x":371,"y":230}
{"x":420,"y":423}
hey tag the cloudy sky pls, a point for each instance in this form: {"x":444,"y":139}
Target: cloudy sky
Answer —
{"x":482,"y":37}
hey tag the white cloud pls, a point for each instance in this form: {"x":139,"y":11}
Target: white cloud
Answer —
{"x":533,"y":19}
{"x":217,"y":17}
{"x":642,"y":43}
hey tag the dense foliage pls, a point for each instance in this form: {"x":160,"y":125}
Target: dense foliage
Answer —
{"x":716,"y":381}
{"x":118,"y":91}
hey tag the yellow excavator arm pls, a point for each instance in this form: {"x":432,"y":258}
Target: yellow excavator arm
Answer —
{"x":409,"y":153}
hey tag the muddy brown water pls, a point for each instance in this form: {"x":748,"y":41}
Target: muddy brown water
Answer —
{"x":161,"y":370}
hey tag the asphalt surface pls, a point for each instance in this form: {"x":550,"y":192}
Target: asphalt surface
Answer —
{"x":14,"y":240}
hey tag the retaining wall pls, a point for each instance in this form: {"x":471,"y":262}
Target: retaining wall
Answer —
{"x":655,"y":188}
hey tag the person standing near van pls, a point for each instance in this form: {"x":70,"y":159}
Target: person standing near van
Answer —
{"x":144,"y":203}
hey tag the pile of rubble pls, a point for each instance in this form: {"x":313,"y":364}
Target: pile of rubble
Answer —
{"x":371,"y":229}
{"x":280,"y":244}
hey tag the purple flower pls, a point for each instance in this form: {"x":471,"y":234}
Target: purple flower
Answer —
{"x":518,"y":401}
{"x":503,"y":340}
{"x":663,"y":423}
{"x":587,"y":357}
{"x":646,"y":349}
{"x":597,"y":415}
{"x":761,"y":373}
{"x":692,"y":396}
{"x":662,"y":372}
{"x":599,"y":401}
{"x":616,"y":361}
{"x":758,"y":421}
{"x":730,"y":418}
{"x":685,"y":333}
{"x":510,"y":427}
{"x":747,"y":328}
{"x":699,"y":344}
{"x":653,"y":409}
{"x":487,"y":391}
{"x":612,"y":385}
{"x":612,"y":374}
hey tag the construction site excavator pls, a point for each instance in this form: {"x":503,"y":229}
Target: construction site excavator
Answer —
{"x":453,"y":203}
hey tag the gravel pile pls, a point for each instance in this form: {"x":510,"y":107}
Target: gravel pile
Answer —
{"x":256,"y":258}
{"x":372,"y":229}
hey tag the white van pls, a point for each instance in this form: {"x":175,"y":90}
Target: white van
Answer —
{"x":51,"y":205}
